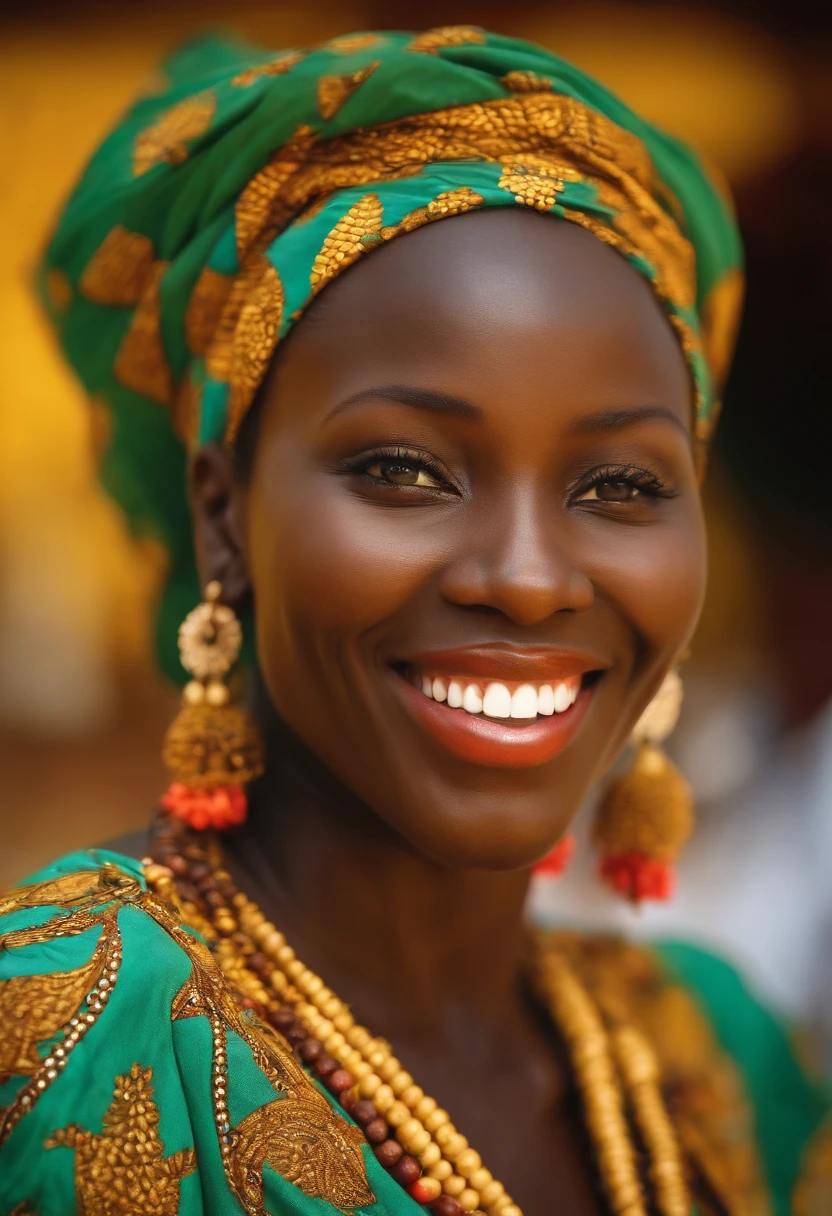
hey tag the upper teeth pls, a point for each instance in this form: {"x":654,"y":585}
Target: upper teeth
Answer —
{"x":496,"y":700}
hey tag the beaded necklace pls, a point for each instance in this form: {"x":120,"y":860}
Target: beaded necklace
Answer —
{"x":412,"y":1137}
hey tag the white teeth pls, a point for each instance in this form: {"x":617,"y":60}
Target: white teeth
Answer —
{"x":524,"y":702}
{"x":472,"y":699}
{"x":497,"y":701}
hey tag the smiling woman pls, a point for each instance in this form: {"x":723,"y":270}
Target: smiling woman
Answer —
{"x":454,"y":499}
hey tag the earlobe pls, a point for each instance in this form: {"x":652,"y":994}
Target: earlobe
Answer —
{"x":216,"y":501}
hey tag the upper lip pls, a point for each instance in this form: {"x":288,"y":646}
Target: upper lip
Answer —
{"x":498,"y":662}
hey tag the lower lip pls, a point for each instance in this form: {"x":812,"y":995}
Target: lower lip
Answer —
{"x":494,"y":742}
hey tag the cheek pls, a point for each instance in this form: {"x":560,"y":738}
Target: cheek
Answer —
{"x":656,"y":577}
{"x":327,"y":565}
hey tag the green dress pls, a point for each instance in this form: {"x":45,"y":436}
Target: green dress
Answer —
{"x":116,"y":1026}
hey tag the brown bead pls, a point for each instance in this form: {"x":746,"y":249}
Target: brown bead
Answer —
{"x":283,"y":1018}
{"x":258,"y":962}
{"x":347,"y":1100}
{"x":389,"y":1153}
{"x":177,"y":865}
{"x":214,"y":899}
{"x":311,"y":1050}
{"x":446,"y":1205}
{"x":296,"y":1034}
{"x":407,"y":1170}
{"x":364,"y":1111}
{"x":198,"y":870}
{"x":340,"y":1079}
{"x":325,"y":1065}
{"x":377,"y":1131}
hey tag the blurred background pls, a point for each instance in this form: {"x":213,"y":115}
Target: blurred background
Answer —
{"x":82,"y":711}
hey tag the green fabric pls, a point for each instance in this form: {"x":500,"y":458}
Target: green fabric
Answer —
{"x":136,"y":1028}
{"x":175,"y":171}
{"x":788,"y":1107}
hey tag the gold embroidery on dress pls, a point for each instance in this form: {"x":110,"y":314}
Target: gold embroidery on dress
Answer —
{"x":164,"y":142}
{"x":275,"y":67}
{"x":141,"y":363}
{"x":118,"y":271}
{"x":333,"y":91}
{"x":31,"y":991}
{"x":446,"y":35}
{"x":58,"y":289}
{"x":79,"y":889}
{"x":351,"y":43}
{"x":299,"y":1134}
{"x":124,"y":1169}
{"x":35,"y":1007}
{"x":525,"y":82}
{"x":204,"y":310}
{"x":354,"y":233}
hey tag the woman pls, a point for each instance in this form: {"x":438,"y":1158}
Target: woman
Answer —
{"x":458,"y":513}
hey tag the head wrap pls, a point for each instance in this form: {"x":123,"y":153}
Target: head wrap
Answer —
{"x":225,"y":201}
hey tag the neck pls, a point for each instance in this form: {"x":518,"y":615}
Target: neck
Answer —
{"x":412,"y":946}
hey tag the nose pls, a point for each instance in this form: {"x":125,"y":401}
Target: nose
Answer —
{"x":513,"y":561}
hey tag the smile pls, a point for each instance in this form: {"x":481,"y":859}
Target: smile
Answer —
{"x":499,"y":722}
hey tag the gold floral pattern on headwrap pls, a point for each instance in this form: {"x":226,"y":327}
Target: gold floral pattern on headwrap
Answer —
{"x":165,"y":140}
{"x":333,"y":91}
{"x":118,"y":271}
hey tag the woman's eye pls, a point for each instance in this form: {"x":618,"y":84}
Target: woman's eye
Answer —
{"x":611,"y":491}
{"x":401,"y":473}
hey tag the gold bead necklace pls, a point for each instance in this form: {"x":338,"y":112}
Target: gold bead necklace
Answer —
{"x":412,"y":1136}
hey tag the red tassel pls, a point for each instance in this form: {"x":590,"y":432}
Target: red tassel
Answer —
{"x":638,"y":877}
{"x":555,"y":862}
{"x":219,"y":807}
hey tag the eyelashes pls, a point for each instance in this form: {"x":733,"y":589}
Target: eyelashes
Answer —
{"x":415,"y":473}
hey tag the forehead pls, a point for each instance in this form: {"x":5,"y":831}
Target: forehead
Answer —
{"x":490,"y":303}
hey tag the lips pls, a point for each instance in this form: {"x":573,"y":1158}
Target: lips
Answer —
{"x":500,"y":708}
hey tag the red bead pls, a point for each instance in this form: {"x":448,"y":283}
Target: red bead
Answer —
{"x":347,"y":1100}
{"x":283,"y":1018}
{"x":364,"y":1111}
{"x":325,"y":1065}
{"x":389,"y":1153}
{"x":311,"y":1050}
{"x":377,"y":1131}
{"x":340,"y":1079}
{"x":420,"y":1193}
{"x":407,"y":1171}
{"x":446,"y":1205}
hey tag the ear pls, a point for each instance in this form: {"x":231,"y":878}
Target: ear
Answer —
{"x":216,"y":501}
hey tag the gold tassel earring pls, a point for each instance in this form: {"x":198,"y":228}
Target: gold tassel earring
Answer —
{"x":645,"y":816}
{"x":213,"y":746}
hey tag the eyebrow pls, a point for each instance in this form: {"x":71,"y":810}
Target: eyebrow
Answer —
{"x":417,"y":398}
{"x":617,"y":420}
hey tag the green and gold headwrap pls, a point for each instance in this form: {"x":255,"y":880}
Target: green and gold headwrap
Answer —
{"x":219,"y":207}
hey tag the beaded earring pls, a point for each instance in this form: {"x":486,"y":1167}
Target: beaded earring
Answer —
{"x":213,"y":746}
{"x":645,"y":817}
{"x":556,"y":860}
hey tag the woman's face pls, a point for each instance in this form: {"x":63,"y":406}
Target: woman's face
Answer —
{"x":473,"y":481}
